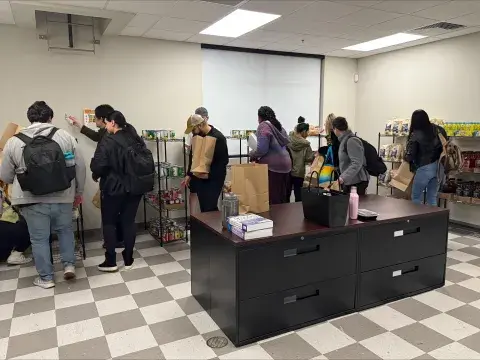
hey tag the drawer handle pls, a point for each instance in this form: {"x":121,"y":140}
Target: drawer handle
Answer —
{"x":295,"y":252}
{"x":294,"y":298}
{"x":399,"y":233}
{"x":404,"y":272}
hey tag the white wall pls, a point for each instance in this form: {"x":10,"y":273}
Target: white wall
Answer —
{"x":442,"y":78}
{"x":156,"y":84}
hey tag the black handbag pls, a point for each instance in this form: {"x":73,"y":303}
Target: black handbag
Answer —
{"x":325,"y":207}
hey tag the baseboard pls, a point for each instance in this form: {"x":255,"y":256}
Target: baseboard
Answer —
{"x":466,"y":225}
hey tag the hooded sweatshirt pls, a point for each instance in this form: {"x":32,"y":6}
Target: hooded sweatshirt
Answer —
{"x":272,"y":148}
{"x":13,"y":160}
{"x":302,"y":154}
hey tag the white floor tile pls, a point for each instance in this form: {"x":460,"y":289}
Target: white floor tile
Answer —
{"x":50,"y":354}
{"x":79,"y":331}
{"x":191,"y":348}
{"x":33,"y":322}
{"x":27,"y":271}
{"x":162,"y":312}
{"x":73,"y":299}
{"x":93,"y":245}
{"x":80,"y":273}
{"x":3,"y":348}
{"x":157,"y":250}
{"x":31,"y":293}
{"x":387,"y":317}
{"x":472,"y":284}
{"x":203,"y":322}
{"x":93,"y":261}
{"x":439,"y":301}
{"x":142,"y":285}
{"x":105,"y":280}
{"x":449,"y":326}
{"x":143,"y":238}
{"x":8,"y":285}
{"x":181,"y":255}
{"x":180,"y":291}
{"x":138,"y":263}
{"x":325,"y":337}
{"x":466,"y":268}
{"x":6,"y":311}
{"x":130,"y":341}
{"x":116,"y":305}
{"x":452,"y":236}
{"x":166,"y":268}
{"x":248,"y":353}
{"x":461,"y":256}
{"x":454,"y":351}
{"x":390,"y":346}
{"x":455,"y":245}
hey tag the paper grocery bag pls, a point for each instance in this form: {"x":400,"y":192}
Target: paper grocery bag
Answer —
{"x":250,"y":184}
{"x":202,"y":155}
{"x":10,"y":130}
{"x":403,"y":177}
{"x":96,"y":199}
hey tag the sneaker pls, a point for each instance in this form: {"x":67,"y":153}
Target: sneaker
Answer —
{"x":128,"y":265}
{"x":69,"y":272}
{"x":105,"y":267}
{"x":45,"y":284}
{"x":17,"y":258}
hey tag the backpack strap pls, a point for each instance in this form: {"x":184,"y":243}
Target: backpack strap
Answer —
{"x":52,"y":132}
{"x":346,"y":143}
{"x":24,"y":138}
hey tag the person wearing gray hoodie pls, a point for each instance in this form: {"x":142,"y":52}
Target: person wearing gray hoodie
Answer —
{"x":53,"y":211}
{"x":272,"y":141}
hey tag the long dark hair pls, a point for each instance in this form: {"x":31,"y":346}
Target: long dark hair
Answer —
{"x":120,"y":120}
{"x":421,"y":122}
{"x":265,"y":113}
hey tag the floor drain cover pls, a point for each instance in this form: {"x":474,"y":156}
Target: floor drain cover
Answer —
{"x":217,"y":342}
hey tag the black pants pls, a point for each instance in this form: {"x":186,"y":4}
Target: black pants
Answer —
{"x":297,"y":184}
{"x":208,"y":192}
{"x":361,"y":188}
{"x":13,"y":237}
{"x":119,"y":210}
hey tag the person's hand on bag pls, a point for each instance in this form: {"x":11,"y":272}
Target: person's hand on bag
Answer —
{"x":186,"y":181}
{"x":75,"y":121}
{"x":78,"y":200}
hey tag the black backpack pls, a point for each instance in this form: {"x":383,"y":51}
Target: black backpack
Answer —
{"x":46,"y":171}
{"x":139,"y":167}
{"x":375,"y":165}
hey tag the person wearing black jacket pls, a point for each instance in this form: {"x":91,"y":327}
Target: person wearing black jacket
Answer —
{"x":208,"y":190}
{"x":422,"y":153}
{"x":117,"y":205}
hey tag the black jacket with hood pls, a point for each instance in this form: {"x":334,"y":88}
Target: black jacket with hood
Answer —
{"x":423,"y":149}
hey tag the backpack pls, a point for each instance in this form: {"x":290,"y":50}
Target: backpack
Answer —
{"x":139,"y":167}
{"x":46,"y":170}
{"x":375,"y":165}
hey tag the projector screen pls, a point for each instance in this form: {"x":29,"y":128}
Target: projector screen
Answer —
{"x":236,"y":84}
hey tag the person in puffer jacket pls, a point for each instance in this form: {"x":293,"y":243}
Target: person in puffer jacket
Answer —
{"x":302,"y":154}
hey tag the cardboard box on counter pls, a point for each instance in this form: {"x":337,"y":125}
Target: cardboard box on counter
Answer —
{"x":9,"y":131}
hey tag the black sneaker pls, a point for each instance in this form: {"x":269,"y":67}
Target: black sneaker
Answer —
{"x":105,"y":267}
{"x":128,"y":264}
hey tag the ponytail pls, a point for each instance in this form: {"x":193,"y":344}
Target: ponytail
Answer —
{"x":120,"y":120}
{"x":265,"y":113}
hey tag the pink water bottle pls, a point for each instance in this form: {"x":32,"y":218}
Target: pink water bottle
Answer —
{"x":353,"y":203}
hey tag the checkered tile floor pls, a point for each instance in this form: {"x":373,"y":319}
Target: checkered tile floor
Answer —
{"x":148,"y":313}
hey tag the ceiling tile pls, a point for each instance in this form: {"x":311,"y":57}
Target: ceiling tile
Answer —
{"x":407,"y":7}
{"x":462,"y":32}
{"x":342,"y":53}
{"x":143,"y":21}
{"x":280,"y":47}
{"x":361,"y":3}
{"x":368,"y":17}
{"x":133,"y":31}
{"x":318,"y":50}
{"x":401,"y":24}
{"x":100,"y":4}
{"x":174,"y":24}
{"x":275,"y":7}
{"x":153,"y":7}
{"x":316,"y":41}
{"x":266,"y":36}
{"x":209,"y":39}
{"x":167,"y":35}
{"x":6,"y":16}
{"x":225,"y":2}
{"x":247,"y":44}
{"x":450,"y":10}
{"x":468,"y":20}
{"x":199,"y":10}
{"x":324,"y":11}
{"x":332,"y":29}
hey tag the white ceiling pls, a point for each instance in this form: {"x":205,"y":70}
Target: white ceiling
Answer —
{"x":306,"y":26}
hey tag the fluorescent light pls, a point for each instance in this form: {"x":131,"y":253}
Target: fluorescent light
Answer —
{"x":238,"y":23}
{"x":386,"y":41}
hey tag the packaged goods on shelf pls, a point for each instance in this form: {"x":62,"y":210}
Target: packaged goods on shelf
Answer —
{"x":462,"y":128}
{"x":314,"y":130}
{"x":397,"y":127}
{"x":167,"y":229}
{"x":242,"y":134}
{"x":158,"y":134}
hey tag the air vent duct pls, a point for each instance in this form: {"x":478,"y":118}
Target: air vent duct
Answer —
{"x":441,"y":25}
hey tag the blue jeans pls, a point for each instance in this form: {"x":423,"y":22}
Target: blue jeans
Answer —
{"x":42,"y":219}
{"x":425,"y":179}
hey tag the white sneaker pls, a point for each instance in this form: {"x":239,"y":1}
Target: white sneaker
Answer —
{"x":69,"y":272}
{"x":17,"y":258}
{"x":45,"y":284}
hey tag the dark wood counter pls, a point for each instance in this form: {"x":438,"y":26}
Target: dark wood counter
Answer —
{"x":306,"y":273}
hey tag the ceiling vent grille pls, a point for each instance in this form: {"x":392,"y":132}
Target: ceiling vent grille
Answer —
{"x":441,"y":25}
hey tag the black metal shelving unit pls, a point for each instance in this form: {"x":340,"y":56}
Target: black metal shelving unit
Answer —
{"x":393,"y":162}
{"x":164,"y":183}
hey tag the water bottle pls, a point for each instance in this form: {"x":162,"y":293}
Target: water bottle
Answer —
{"x":353,"y":203}
{"x":230,"y":207}
{"x":69,"y":159}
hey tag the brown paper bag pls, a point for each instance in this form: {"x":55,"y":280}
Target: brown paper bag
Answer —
{"x":96,"y":201}
{"x":202,"y":155}
{"x":403,"y":177}
{"x":10,"y":130}
{"x":250,"y":184}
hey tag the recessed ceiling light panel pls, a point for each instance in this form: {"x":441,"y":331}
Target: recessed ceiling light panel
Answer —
{"x":386,"y":41}
{"x":238,"y":23}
